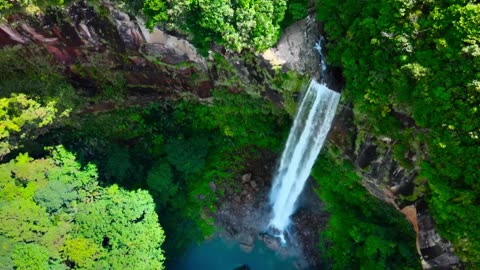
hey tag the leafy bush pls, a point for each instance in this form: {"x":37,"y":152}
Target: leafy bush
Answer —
{"x":296,"y":10}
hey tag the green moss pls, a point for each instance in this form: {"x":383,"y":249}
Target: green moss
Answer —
{"x":289,"y":84}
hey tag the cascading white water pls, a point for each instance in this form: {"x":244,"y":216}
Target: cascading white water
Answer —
{"x":306,"y":138}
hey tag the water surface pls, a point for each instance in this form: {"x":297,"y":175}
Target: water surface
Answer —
{"x":219,"y":254}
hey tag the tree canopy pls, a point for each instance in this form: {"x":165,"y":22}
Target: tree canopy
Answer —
{"x":56,"y":216}
{"x":237,"y":25}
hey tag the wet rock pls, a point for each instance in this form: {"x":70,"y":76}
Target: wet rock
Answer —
{"x":435,"y":251}
{"x":245,"y":212}
{"x":406,"y":120}
{"x":271,"y":242}
{"x":203,"y":89}
{"x":274,"y":96}
{"x":246,"y":177}
{"x":307,"y":222}
{"x":242,"y":267}
{"x":213,"y":186}
{"x":128,"y":29}
{"x":244,"y":209}
{"x":246,"y":248}
{"x":246,"y":243}
{"x":367,"y":155}
{"x":343,"y":131}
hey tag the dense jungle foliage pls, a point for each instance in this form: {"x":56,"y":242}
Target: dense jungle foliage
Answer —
{"x":56,"y":216}
{"x":421,"y":59}
{"x":362,"y":230}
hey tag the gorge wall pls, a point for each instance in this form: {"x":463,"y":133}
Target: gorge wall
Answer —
{"x":385,"y":178}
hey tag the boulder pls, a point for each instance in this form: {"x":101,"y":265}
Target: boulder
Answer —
{"x":271,"y":242}
{"x":246,"y":242}
{"x":212,"y":185}
{"x":246,"y":177}
{"x":242,"y":267}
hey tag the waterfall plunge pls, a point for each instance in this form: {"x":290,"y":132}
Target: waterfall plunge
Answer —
{"x":305,"y":140}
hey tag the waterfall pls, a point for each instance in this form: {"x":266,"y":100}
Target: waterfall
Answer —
{"x":305,"y":140}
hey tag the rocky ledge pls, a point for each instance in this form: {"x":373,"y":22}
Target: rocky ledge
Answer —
{"x":83,"y":42}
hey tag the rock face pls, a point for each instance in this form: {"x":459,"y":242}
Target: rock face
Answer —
{"x":295,"y":49}
{"x":386,"y":179}
{"x":82,"y":40}
{"x":173,"y":50}
{"x":111,"y":47}
{"x":436,"y":252}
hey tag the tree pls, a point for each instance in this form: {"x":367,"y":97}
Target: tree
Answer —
{"x":81,"y":252}
{"x":33,"y":95}
{"x":54,"y":211}
{"x":19,"y":117}
{"x":155,"y":10}
{"x":117,"y":164}
{"x":187,"y":155}
{"x":125,"y":225}
{"x":30,"y":256}
{"x":5,"y":4}
{"x":159,"y":180}
{"x":238,"y":25}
